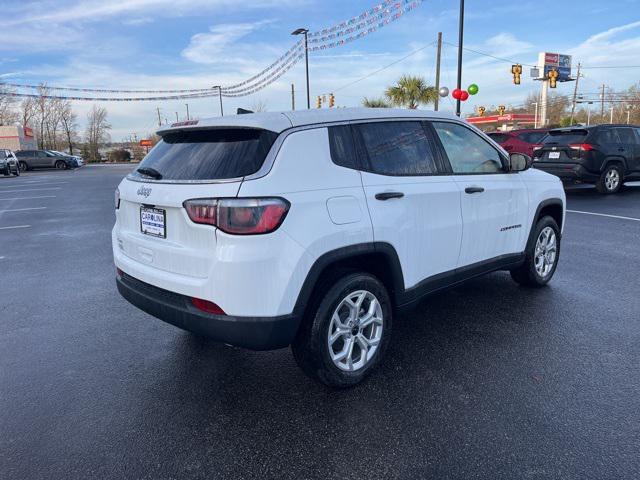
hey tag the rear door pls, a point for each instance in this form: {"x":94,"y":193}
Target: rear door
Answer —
{"x":152,"y":228}
{"x":414,"y":204}
{"x":629,"y":147}
{"x":494,"y":202}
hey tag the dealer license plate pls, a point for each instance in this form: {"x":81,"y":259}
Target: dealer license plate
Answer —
{"x":152,"y":222}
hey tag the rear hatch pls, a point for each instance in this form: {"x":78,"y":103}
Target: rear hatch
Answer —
{"x":152,"y":226}
{"x":561,"y":146}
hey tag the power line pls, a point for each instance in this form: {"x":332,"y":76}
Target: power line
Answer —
{"x":383,"y":68}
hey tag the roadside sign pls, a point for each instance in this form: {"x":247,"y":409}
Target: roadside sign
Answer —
{"x":146,"y":143}
{"x":548,"y":61}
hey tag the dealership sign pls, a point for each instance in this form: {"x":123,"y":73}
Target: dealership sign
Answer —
{"x":554,"y":61}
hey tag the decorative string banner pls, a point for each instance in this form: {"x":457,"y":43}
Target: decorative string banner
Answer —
{"x":335,"y":36}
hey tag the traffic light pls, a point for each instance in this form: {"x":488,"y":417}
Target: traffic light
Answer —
{"x":319,"y":102}
{"x":553,"y":77}
{"x":516,"y":71}
{"x":332,"y":100}
{"x":501,"y":109}
{"x":481,"y":111}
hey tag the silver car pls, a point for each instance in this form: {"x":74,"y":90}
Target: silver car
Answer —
{"x":9,"y":163}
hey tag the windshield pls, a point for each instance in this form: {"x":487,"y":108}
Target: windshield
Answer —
{"x":564,"y":137}
{"x":207,"y":154}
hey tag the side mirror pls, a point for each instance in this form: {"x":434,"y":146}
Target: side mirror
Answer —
{"x":519,"y":162}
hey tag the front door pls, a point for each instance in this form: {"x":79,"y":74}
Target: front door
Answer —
{"x":494,"y":202}
{"x":414,"y":207}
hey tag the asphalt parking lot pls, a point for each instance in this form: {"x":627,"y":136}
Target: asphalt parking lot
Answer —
{"x":487,"y":380}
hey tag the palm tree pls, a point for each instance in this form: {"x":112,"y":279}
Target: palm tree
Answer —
{"x":411,"y":92}
{"x":375,"y":103}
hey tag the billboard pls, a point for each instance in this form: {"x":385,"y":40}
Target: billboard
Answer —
{"x":556,"y":61}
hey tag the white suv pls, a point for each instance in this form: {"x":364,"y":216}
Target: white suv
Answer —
{"x":313,"y":228}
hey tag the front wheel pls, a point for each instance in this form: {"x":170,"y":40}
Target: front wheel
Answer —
{"x":610,"y":180}
{"x":541,"y":257}
{"x":347,"y":332}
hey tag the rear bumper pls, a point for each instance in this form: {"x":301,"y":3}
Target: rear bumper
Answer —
{"x":567,"y":172}
{"x":255,"y":333}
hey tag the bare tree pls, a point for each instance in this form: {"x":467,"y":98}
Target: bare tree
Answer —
{"x":259,"y":105}
{"x":68,"y":119}
{"x":97,"y":131}
{"x":8,"y":115}
{"x":28,"y":110}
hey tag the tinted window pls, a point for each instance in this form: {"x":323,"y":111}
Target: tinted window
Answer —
{"x":637,"y":135}
{"x":342,"y":147}
{"x":397,"y":148}
{"x":531,"y":137}
{"x":3,"y":154}
{"x":607,"y":135}
{"x":209,"y":154}
{"x":22,"y":154}
{"x":565,"y":137}
{"x":499,"y":137}
{"x":626,"y":135}
{"x":467,"y":151}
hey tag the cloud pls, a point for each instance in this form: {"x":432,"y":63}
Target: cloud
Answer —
{"x":93,"y":10}
{"x":207,"y":47}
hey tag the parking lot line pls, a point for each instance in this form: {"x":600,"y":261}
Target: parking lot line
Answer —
{"x":30,"y":184}
{"x":28,"y":198}
{"x":22,"y":209}
{"x":15,"y":226}
{"x":605,"y":215}
{"x":33,"y":189}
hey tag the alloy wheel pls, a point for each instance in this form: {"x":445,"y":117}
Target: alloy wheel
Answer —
{"x":612,"y":179}
{"x":355,"y":331}
{"x":545,"y":252}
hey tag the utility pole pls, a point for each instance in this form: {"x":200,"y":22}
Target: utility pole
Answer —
{"x":611,"y":118}
{"x":220,"y":97}
{"x":460,"y":42}
{"x":438,"y":57}
{"x":575,"y":94}
{"x":602,"y":104}
{"x":628,"y":113}
{"x":177,"y":117}
{"x":535,"y":116}
{"x":159,"y":119}
{"x":187,"y":111}
{"x":293,"y":98}
{"x":543,"y":102}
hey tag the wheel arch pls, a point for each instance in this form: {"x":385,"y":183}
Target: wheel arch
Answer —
{"x":377,"y":258}
{"x":553,"y":207}
{"x":611,"y":160}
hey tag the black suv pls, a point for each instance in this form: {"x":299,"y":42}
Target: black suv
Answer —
{"x":606,"y":155}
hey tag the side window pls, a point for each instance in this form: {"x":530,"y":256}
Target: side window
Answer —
{"x":3,"y":154}
{"x":397,"y":148}
{"x":466,"y":150}
{"x":626,"y":135}
{"x":607,"y":135}
{"x":342,"y":147}
{"x":637,"y":135}
{"x":499,"y":137}
{"x":41,"y":154}
{"x":20,"y":154}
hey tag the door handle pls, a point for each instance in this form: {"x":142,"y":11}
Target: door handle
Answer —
{"x":473,"y":190}
{"x":620,"y":149}
{"x":388,"y":195}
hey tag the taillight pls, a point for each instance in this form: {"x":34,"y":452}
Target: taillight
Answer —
{"x":585,"y":147}
{"x":239,"y":216}
{"x":207,"y":306}
{"x":117,"y":198}
{"x":536,"y":150}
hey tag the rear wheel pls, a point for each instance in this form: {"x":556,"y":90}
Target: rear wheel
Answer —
{"x":347,"y":332}
{"x":610,"y":180}
{"x":23,"y":166}
{"x":541,"y":257}
{"x":61,"y":165}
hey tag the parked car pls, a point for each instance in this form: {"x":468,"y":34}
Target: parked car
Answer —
{"x":9,"y":163}
{"x":605,"y":155}
{"x":78,"y":159}
{"x":312,"y":229}
{"x":30,"y":159}
{"x":519,"y":141}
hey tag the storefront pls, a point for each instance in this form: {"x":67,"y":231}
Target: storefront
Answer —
{"x":17,"y":138}
{"x":504,"y":123}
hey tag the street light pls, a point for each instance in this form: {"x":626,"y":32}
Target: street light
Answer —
{"x":187,"y":110}
{"x":305,"y":32}
{"x":535,"y":119}
{"x":460,"y":37}
{"x":220,"y":95}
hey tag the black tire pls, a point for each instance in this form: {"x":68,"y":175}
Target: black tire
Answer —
{"x":527,"y":274}
{"x":311,"y":347}
{"x":605,"y":187}
{"x":17,"y":170}
{"x":23,"y":166}
{"x":61,"y":165}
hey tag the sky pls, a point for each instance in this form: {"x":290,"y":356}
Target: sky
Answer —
{"x":180,"y":44}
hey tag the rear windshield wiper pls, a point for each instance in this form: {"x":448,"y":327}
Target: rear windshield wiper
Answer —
{"x":150,"y":172}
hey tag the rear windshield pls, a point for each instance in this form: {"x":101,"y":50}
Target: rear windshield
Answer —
{"x":207,"y":154}
{"x":564,"y":137}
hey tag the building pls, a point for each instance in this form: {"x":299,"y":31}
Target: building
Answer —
{"x":17,"y":137}
{"x":504,"y":123}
